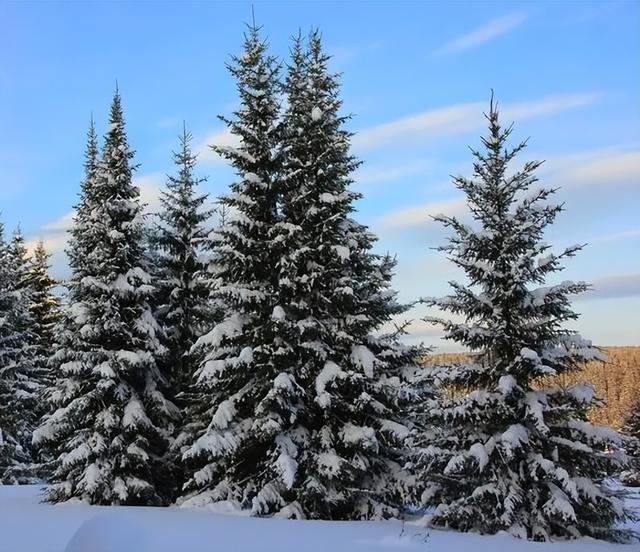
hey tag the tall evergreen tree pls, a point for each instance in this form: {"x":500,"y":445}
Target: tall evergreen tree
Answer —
{"x":180,"y":237}
{"x":81,"y":235}
{"x":17,"y":391}
{"x":29,"y":375}
{"x":111,"y":421}
{"x":179,"y":243}
{"x":306,"y":421}
{"x":513,"y":453}
{"x":230,"y":424}
{"x":45,"y":311}
{"x":334,"y":294}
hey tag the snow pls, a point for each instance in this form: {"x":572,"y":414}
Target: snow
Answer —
{"x":330,"y":372}
{"x":134,"y":415}
{"x":288,"y":468}
{"x":342,"y":251}
{"x":529,"y":354}
{"x":363,"y":358}
{"x":278,"y":313}
{"x":27,"y":526}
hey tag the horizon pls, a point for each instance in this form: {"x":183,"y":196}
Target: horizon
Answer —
{"x":415,"y":117}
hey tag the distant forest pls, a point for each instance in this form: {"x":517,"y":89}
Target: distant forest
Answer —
{"x":617,"y":381}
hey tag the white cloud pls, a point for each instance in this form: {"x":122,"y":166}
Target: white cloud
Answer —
{"x":372,"y":175}
{"x":218,"y":138}
{"x":150,"y":186}
{"x":421,"y":215}
{"x":492,"y":29}
{"x":617,"y":236}
{"x":461,"y":119}
{"x":342,"y":55}
{"x":64,"y":223}
{"x":612,"y":169}
{"x":55,"y":234}
{"x":614,"y":286}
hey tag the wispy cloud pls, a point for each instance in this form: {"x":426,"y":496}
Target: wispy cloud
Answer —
{"x":605,"y":169}
{"x":55,"y":234}
{"x":342,"y":55}
{"x":490,"y":30}
{"x":422,"y":215}
{"x":614,"y":286}
{"x":627,"y":234}
{"x":371,"y":175}
{"x":221,"y":137}
{"x":461,"y":119}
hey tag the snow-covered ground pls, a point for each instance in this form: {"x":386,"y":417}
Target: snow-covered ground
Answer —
{"x":27,"y":526}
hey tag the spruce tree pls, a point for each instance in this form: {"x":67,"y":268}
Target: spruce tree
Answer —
{"x":184,"y":311}
{"x":334,"y":294}
{"x":230,"y":425}
{"x":307,"y":420}
{"x":111,"y":421}
{"x":180,"y":237}
{"x":18,"y":388}
{"x":45,"y":310}
{"x":513,"y":452}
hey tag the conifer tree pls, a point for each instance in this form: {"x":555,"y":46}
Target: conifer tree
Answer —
{"x":81,"y":233}
{"x":182,"y":298}
{"x":29,"y":375}
{"x":111,"y":421}
{"x":17,"y":390}
{"x":179,"y":243}
{"x":514,"y":453}
{"x":228,"y":429}
{"x":45,"y":311}
{"x":334,"y":294}
{"x":306,"y":421}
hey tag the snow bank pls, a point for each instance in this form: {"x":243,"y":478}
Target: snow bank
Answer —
{"x":27,"y":526}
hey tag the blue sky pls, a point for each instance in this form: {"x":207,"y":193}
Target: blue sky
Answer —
{"x":416,"y":76}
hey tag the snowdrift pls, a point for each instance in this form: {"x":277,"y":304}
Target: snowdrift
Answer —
{"x":28,"y":526}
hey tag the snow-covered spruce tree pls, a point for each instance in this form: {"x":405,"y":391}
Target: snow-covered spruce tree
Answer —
{"x":45,"y":311}
{"x":15,"y":460}
{"x":513,"y":453}
{"x":306,"y":419}
{"x":182,"y":306}
{"x":28,"y":374}
{"x":631,"y":428}
{"x":81,"y":235}
{"x":344,"y":387}
{"x":17,"y":385}
{"x":111,"y":423}
{"x":228,"y":431}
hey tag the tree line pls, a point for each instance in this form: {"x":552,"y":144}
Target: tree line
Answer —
{"x":240,"y":357}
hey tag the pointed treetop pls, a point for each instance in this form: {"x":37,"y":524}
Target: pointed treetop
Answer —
{"x":116,"y":116}
{"x":91,"y":151}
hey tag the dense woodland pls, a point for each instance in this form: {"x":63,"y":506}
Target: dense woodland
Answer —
{"x":230,"y":349}
{"x":615,"y":379}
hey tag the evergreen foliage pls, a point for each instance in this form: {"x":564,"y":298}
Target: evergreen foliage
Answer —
{"x":110,"y":422}
{"x":236,"y":355}
{"x":45,"y":310}
{"x":511,"y":453}
{"x":179,"y":243}
{"x":180,"y":238}
{"x":18,"y":384}
{"x":304,"y":420}
{"x":334,"y":293}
